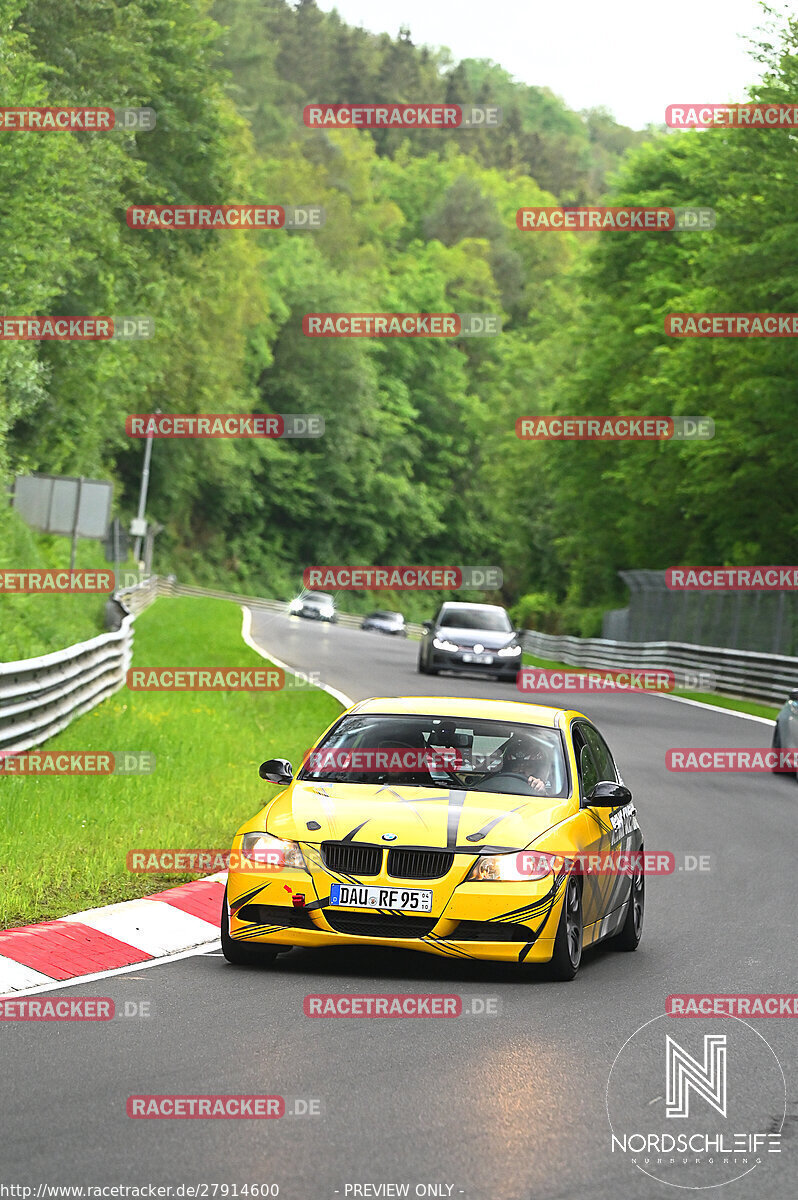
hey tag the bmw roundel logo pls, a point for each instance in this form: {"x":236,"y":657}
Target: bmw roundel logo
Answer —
{"x":389,"y":837}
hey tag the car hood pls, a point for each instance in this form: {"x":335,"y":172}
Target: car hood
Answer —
{"x":491,"y":639}
{"x":429,"y":817}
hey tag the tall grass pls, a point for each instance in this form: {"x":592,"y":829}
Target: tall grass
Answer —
{"x":64,"y":839}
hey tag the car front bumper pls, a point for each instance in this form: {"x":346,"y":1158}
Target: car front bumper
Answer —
{"x":443,"y":660}
{"x":501,"y":922}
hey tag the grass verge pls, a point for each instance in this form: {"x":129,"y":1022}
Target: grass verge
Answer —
{"x":711,"y":698}
{"x":34,"y":624}
{"x":64,"y":839}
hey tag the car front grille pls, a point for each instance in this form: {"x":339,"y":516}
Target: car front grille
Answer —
{"x":419,"y":864}
{"x":377,"y":925}
{"x":351,"y":859}
{"x":276,"y":914}
{"x":490,"y":931}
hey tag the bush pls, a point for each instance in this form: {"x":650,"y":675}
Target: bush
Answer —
{"x":539,"y":611}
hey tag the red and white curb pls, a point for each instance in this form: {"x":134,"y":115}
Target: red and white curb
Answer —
{"x":100,"y":940}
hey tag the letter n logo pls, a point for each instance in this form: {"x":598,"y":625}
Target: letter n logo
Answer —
{"x":708,"y":1079}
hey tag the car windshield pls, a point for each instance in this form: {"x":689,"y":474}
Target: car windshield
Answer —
{"x":441,"y":752}
{"x":476,"y":618}
{"x":317,"y":597}
{"x":395,"y":618}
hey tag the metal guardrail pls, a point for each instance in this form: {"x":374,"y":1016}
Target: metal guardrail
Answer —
{"x":744,"y":673}
{"x":40,"y":696}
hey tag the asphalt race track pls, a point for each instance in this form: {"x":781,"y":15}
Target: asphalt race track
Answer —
{"x":503,"y":1107}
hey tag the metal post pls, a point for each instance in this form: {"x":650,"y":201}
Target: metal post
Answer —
{"x":145,"y":482}
{"x":153,"y":529}
{"x":75,"y":525}
{"x":776,"y":647}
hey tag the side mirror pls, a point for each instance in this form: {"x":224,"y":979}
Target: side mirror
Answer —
{"x":276,"y":770}
{"x":426,"y":626}
{"x":608,"y":794}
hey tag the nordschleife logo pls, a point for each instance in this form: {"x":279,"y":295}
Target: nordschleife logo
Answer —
{"x":707,"y":1079}
{"x":699,"y":1111}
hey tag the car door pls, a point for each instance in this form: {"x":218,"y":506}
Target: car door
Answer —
{"x":624,"y":834}
{"x":596,"y":831}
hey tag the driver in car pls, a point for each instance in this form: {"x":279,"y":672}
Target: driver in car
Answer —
{"x":525,"y":756}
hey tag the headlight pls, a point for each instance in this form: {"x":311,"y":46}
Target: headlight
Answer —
{"x":440,"y":644}
{"x":295,"y":606}
{"x":272,"y":852}
{"x":509,"y":651}
{"x":515,"y":868}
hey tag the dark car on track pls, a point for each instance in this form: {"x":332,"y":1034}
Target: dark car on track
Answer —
{"x":785,"y":731}
{"x":470,"y":637}
{"x":316,"y":606}
{"x":385,"y":622}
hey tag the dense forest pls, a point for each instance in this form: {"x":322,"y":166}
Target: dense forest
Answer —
{"x":420,"y":462}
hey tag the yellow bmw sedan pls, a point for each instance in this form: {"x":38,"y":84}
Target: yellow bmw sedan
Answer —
{"x":484,"y":829}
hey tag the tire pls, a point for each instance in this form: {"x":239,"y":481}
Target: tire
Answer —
{"x":240,"y":954}
{"x":776,"y":745}
{"x":631,"y":931}
{"x":567,"y":956}
{"x":423,"y":669}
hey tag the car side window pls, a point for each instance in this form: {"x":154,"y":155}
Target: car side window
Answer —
{"x":601,"y":753}
{"x":588,"y":772}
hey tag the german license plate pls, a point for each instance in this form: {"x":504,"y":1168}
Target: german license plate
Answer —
{"x":345,"y":895}
{"x":485,"y":660}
